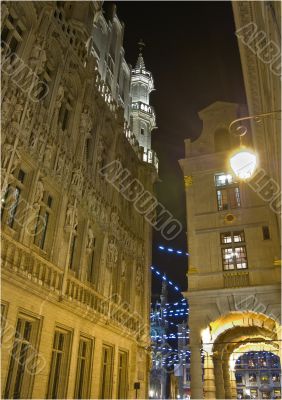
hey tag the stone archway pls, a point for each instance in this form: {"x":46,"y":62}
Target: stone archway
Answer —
{"x":223,"y":338}
{"x":259,"y":351}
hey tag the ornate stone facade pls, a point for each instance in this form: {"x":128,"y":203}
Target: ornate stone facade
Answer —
{"x":75,"y":253}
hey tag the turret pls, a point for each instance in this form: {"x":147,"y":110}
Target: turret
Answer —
{"x":143,"y":118}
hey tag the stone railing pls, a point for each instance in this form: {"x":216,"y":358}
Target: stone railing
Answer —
{"x":236,"y":279}
{"x":98,"y":307}
{"x":105,"y":92}
{"x":23,"y":262}
{"x":26,"y":263}
{"x":143,"y":71}
{"x":146,"y":108}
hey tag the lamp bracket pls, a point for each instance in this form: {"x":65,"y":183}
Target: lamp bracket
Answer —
{"x":241,"y":130}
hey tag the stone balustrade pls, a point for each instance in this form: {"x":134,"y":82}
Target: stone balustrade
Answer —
{"x":146,"y":108}
{"x":23,"y":262}
{"x":236,"y":279}
{"x":100,"y":307}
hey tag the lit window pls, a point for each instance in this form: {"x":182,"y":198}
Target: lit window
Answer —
{"x":254,"y":393}
{"x":228,"y":194}
{"x":223,"y":179}
{"x":275,"y":377}
{"x":252,"y":377}
{"x":233,"y":256}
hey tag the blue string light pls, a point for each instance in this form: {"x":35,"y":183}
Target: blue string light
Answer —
{"x":164,"y":278}
{"x":173,"y":251}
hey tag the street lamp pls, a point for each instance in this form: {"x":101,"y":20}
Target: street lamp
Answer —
{"x":244,"y":161}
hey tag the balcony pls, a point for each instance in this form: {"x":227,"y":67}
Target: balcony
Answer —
{"x":138,"y":71}
{"x":138,"y":105}
{"x":20,"y":261}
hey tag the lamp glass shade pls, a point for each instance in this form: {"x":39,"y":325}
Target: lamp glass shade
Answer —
{"x":243,"y":163}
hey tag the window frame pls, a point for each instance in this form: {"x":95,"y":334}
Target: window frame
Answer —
{"x":107,"y":394}
{"x":119,"y":388}
{"x":63,"y":379}
{"x":230,"y":189}
{"x":88,"y":367}
{"x":233,"y":246}
{"x":12,"y":372}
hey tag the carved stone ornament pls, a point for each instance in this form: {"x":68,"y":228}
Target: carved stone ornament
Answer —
{"x":90,"y":239}
{"x":112,"y":254}
{"x":85,"y":122}
{"x":71,"y":221}
{"x":7,"y":150}
{"x":139,"y":278}
{"x":39,"y":191}
{"x":18,"y":110}
{"x":38,"y":56}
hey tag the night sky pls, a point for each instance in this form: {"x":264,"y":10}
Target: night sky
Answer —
{"x":192,"y":52}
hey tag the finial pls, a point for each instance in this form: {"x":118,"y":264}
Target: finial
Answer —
{"x":140,"y":62}
{"x":141,"y":45}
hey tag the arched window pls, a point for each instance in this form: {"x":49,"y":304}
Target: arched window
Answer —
{"x":221,"y":139}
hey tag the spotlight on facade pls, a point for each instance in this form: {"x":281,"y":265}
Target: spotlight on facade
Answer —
{"x":243,"y":163}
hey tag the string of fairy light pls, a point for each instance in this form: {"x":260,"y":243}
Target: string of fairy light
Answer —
{"x":176,"y":309}
{"x":170,"y":250}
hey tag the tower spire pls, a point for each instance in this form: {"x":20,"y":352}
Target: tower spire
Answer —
{"x":164,"y":292}
{"x":140,"y":61}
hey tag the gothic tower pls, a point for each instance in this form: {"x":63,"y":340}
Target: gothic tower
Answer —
{"x":143,"y":119}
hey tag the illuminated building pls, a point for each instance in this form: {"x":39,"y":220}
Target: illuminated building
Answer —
{"x":233,"y":227}
{"x":233,"y":242}
{"x":258,"y":375}
{"x":75,"y":253}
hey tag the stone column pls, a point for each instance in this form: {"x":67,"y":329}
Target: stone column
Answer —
{"x":209,"y":381}
{"x":196,"y":362}
{"x":219,"y":382}
{"x":233,"y":384}
{"x":226,"y":378}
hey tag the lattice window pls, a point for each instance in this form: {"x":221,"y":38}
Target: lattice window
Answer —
{"x":234,"y":254}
